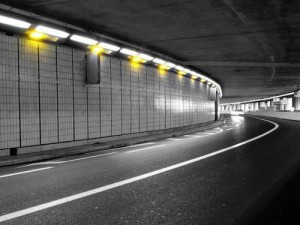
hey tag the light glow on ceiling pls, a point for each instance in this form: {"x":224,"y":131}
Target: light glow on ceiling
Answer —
{"x":83,"y":40}
{"x":171,"y":65}
{"x":37,"y":35}
{"x":52,"y":31}
{"x":14,"y":22}
{"x":109,"y":47}
{"x":129,"y":52}
{"x":145,"y":57}
{"x":159,"y":61}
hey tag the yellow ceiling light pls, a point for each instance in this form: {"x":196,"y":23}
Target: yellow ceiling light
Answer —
{"x":194,"y":77}
{"x":181,"y":73}
{"x":136,"y":59}
{"x":37,"y":35}
{"x":161,"y":70}
{"x":164,"y":67}
{"x":98,"y":50}
{"x":202,"y":80}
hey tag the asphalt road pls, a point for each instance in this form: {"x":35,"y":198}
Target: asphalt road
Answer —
{"x":221,"y":176}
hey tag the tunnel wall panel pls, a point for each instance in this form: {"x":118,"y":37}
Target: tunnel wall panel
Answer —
{"x":48,"y":93}
{"x":116,"y":79}
{"x":135,"y":100}
{"x":150,"y":98}
{"x":94,"y":116}
{"x":9,"y":93}
{"x":105,"y":95}
{"x":29,"y":93}
{"x":65,"y":94}
{"x":143,"y":98}
{"x":80,"y":96}
{"x":45,"y":98}
{"x":126,"y":96}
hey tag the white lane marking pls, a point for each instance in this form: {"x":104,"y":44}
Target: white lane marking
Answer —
{"x":60,"y":162}
{"x":128,"y":181}
{"x":229,"y":129}
{"x":132,"y":146}
{"x":147,"y":143}
{"x":71,"y":160}
{"x":41,"y":163}
{"x":174,"y":139}
{"x":193,"y":136}
{"x":89,"y":157}
{"x":143,"y":149}
{"x":24,"y":172}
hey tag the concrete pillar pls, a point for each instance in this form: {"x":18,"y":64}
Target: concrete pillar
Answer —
{"x":243,"y":107}
{"x":256,"y":106}
{"x":296,"y":101}
{"x":217,"y":107}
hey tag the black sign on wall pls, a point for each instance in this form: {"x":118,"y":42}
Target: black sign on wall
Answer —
{"x":92,"y":68}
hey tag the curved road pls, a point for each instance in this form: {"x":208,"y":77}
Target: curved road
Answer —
{"x":219,"y":176}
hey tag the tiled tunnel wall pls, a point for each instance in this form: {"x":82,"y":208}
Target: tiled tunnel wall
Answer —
{"x":45,"y":99}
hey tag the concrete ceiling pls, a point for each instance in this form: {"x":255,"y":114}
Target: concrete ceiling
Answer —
{"x":251,"y":47}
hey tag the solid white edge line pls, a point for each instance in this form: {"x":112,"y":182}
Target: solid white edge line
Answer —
{"x":143,"y":144}
{"x":88,"y":157}
{"x":128,"y":181}
{"x":174,"y":139}
{"x":61,"y":162}
{"x":24,"y":172}
{"x":143,"y":149}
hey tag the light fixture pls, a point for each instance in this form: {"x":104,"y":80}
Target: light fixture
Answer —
{"x":179,"y":68}
{"x":84,"y":40}
{"x":194,"y":73}
{"x":159,"y":61}
{"x":202,"y":80}
{"x":181,"y":73}
{"x":109,"y":47}
{"x":187,"y":71}
{"x":171,"y":65}
{"x":98,"y":50}
{"x":129,"y":52}
{"x":37,"y":35}
{"x":136,"y":59}
{"x":164,"y":67}
{"x":194,"y":77}
{"x":145,"y":57}
{"x":14,"y":22}
{"x":52,"y":31}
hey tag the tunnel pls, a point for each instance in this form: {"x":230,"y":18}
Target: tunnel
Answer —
{"x":149,"y":112}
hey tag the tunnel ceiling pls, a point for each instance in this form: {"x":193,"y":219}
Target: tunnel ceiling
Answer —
{"x":251,"y":47}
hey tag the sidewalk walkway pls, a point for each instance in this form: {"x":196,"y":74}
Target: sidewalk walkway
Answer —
{"x":52,"y":154}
